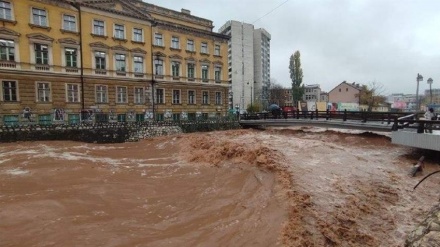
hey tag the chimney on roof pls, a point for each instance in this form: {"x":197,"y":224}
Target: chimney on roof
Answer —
{"x":186,"y":11}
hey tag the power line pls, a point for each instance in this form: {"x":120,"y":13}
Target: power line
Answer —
{"x":270,"y":11}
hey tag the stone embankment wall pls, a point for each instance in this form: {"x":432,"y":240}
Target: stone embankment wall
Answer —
{"x":428,"y":232}
{"x":108,"y":132}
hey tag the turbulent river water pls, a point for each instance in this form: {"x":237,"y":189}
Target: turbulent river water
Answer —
{"x":278,"y":187}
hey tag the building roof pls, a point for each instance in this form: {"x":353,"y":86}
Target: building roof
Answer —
{"x":353,"y":85}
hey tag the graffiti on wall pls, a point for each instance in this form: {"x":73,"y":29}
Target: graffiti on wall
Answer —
{"x":184,"y":115}
{"x":87,"y":115}
{"x":27,"y":114}
{"x":58,"y":114}
{"x":168,"y":114}
{"x":131,"y":115}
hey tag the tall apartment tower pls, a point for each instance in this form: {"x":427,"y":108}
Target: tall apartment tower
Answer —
{"x":248,"y":64}
{"x":261,"y":66}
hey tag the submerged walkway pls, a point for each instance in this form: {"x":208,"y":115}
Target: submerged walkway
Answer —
{"x":410,"y":137}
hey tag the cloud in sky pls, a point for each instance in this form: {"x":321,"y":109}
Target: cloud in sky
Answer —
{"x":387,"y":41}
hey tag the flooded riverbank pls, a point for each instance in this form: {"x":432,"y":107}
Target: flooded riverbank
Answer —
{"x":279,"y":187}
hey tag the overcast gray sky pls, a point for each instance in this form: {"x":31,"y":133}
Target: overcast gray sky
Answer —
{"x":387,"y":41}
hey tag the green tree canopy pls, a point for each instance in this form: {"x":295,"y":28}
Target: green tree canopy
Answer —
{"x":296,"y":75}
{"x":371,"y":95}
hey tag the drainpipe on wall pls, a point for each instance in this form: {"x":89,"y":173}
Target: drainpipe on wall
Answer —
{"x":153,"y":24}
{"x":78,"y":7}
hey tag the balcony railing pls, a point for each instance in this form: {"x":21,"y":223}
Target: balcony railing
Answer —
{"x":42,"y":67}
{"x":8,"y":64}
{"x":71,"y":70}
{"x":100,"y":71}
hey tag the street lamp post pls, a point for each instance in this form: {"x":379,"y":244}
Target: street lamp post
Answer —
{"x":430,"y":90}
{"x":237,"y":108}
{"x":419,"y":79}
{"x":252,"y":95}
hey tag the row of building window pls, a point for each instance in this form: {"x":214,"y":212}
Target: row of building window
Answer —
{"x":190,"y":70}
{"x":10,"y":93}
{"x":40,"y":18}
{"x":191,"y":99}
{"x":190,"y":44}
{"x":42,"y":57}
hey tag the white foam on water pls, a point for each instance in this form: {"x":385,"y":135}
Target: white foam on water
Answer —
{"x":3,"y":161}
{"x":16,"y":172}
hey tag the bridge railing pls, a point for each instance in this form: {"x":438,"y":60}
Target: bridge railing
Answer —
{"x":397,"y":120}
{"x":345,"y":115}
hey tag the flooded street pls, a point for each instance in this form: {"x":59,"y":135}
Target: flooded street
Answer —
{"x":278,"y":187}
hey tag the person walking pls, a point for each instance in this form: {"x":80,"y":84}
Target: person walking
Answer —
{"x":429,"y":115}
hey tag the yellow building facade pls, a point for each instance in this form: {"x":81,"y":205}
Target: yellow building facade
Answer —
{"x":137,"y":63}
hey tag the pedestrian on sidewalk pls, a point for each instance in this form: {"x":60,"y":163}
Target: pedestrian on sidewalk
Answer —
{"x":429,"y":115}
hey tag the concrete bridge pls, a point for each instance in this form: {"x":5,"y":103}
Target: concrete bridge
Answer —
{"x":408,"y":130}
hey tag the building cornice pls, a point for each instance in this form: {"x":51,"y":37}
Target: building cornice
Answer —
{"x":9,"y":32}
{"x":192,"y":31}
{"x":39,"y":36}
{"x":151,"y":8}
{"x":69,"y":41}
{"x":108,"y":6}
{"x":99,"y":45}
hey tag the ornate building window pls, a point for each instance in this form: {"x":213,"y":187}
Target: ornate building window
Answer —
{"x":5,"y":10}
{"x":7,"y":50}
{"x":100,"y":60}
{"x":69,"y":23}
{"x":71,"y":57}
{"x":72,"y":93}
{"x":158,"y":39}
{"x":39,"y":17}
{"x":138,"y":64}
{"x":10,"y":91}
{"x":175,"y":42}
{"x":217,"y":73}
{"x":41,"y":54}
{"x":160,"y":96}
{"x":191,"y":97}
{"x":176,"y":96}
{"x":139,"y":95}
{"x":191,"y":72}
{"x":158,"y":67}
{"x":121,"y":94}
{"x":101,"y":94}
{"x":190,"y":45}
{"x":43,"y":92}
{"x":217,"y":50}
{"x":204,"y":48}
{"x":121,"y":65}
{"x":205,"y":98}
{"x":175,"y":68}
{"x":218,"y":98}
{"x":205,"y":70}
{"x":119,"y":32}
{"x":138,"y":35}
{"x":99,"y":27}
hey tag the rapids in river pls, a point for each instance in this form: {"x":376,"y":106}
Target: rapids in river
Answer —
{"x":277,"y":187}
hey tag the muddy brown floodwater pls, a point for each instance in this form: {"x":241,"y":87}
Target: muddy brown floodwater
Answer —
{"x":279,"y":187}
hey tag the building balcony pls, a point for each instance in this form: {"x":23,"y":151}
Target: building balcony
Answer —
{"x":100,"y":72}
{"x":8,"y":64}
{"x":72,"y":70}
{"x":42,"y":67}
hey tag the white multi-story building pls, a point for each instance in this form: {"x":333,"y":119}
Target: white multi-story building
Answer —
{"x":312,"y":92}
{"x":261,"y":65}
{"x":248,"y":64}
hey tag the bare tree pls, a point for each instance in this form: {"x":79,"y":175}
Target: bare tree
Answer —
{"x":277,"y":93}
{"x":372,"y":95}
